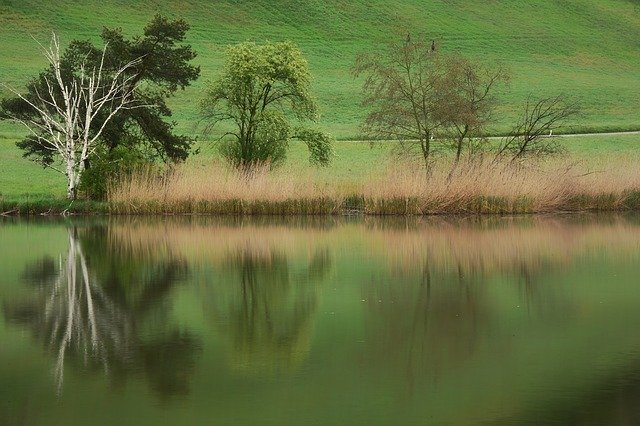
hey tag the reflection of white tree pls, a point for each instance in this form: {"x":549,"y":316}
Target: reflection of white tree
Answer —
{"x":81,"y":316}
{"x":104,"y":324}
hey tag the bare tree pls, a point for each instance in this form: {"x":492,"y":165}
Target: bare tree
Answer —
{"x":532,"y":134}
{"x":398,"y":90}
{"x":73,"y":113}
{"x":465,"y":100}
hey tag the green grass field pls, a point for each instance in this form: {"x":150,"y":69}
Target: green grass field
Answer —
{"x":589,"y":49}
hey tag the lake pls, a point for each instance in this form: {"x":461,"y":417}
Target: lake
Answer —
{"x":200,"y":320}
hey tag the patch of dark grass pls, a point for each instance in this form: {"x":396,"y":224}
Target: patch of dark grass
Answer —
{"x":51,"y":206}
{"x":237,"y":207}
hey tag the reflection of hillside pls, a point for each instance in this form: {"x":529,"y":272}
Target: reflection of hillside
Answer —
{"x":264,"y":306}
{"x":97,"y":309}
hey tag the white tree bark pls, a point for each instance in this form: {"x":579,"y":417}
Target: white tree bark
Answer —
{"x":71,"y":127}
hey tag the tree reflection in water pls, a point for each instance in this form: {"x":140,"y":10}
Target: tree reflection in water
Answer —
{"x":426,"y":325}
{"x":95,"y":306}
{"x":440,"y":315}
{"x":265,"y":305}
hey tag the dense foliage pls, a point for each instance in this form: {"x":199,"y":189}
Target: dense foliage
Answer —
{"x":163,"y":68}
{"x":261,"y":90}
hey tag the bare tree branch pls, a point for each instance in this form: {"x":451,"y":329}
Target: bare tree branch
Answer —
{"x":532,"y":134}
{"x":69,"y":126}
{"x":398,"y":90}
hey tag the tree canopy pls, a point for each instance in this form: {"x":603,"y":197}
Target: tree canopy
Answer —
{"x":465,"y":100}
{"x":398,"y":92}
{"x":261,"y":90}
{"x":68,"y":119}
{"x":162,"y":67}
{"x":418,"y":95}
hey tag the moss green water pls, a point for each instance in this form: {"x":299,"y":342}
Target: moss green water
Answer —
{"x":320,"y":321}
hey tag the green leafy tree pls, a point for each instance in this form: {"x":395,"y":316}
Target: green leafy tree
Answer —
{"x":162,"y":66}
{"x":62,"y":120}
{"x":262,"y":89}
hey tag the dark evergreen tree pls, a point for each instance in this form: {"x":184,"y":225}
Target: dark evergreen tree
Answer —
{"x":163,"y":69}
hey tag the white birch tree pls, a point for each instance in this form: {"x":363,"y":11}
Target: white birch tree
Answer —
{"x":71,"y":116}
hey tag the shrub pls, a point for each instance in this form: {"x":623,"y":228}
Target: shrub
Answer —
{"x":106,"y":166}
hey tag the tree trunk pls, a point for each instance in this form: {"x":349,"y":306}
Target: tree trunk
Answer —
{"x":459,"y":150}
{"x":425,"y":145}
{"x":66,"y":119}
{"x":71,"y":179}
{"x":71,"y":192}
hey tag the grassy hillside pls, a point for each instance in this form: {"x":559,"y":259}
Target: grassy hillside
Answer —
{"x":586,"y":48}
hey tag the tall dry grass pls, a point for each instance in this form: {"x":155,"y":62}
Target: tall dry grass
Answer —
{"x":487,"y":186}
{"x":220,"y":189}
{"x":478,"y":186}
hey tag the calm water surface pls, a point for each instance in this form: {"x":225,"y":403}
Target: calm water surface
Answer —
{"x":320,"y":321}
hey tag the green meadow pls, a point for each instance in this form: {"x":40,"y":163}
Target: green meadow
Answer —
{"x":586,"y":49}
{"x":589,"y":49}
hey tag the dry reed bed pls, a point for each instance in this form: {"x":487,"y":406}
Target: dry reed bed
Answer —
{"x":477,"y":187}
{"x":220,"y":190}
{"x":485,"y":186}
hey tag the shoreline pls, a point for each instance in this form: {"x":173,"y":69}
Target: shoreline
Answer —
{"x":356,"y":205}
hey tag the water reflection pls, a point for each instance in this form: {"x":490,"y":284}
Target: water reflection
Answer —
{"x":460,"y":321}
{"x":259,"y":281}
{"x":99,"y":306}
{"x":264,"y":306}
{"x":427,"y":325}
{"x":433,"y":310}
{"x":614,"y":403}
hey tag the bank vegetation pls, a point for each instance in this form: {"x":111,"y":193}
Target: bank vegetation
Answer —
{"x":474,"y":186}
{"x":435,"y":106}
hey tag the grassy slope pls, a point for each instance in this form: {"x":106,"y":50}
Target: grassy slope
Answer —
{"x":588,"y":48}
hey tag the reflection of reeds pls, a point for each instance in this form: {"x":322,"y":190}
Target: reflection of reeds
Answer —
{"x":261,"y":301}
{"x":473,"y":186}
{"x":424,"y":282}
{"x":504,"y":246}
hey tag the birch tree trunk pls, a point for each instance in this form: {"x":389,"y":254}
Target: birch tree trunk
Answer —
{"x":72,"y":115}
